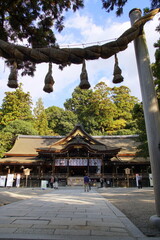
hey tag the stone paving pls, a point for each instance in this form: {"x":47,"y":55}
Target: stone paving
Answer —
{"x":67,"y":213}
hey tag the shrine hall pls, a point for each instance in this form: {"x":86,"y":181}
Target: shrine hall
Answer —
{"x":70,"y":157}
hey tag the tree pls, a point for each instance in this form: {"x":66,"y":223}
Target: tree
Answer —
{"x":125,"y":103}
{"x":60,"y":121}
{"x":138,"y":115}
{"x":80,"y":104}
{"x":10,"y":132}
{"x":104,"y":107}
{"x":33,"y":21}
{"x":103,"y":110}
{"x":15,"y":118}
{"x":16,"y":105}
{"x":20,"y":127}
{"x":6,"y":142}
{"x":110,"y":5}
{"x":40,"y":119}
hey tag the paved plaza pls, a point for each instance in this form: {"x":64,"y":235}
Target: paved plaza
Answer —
{"x":67,"y":213}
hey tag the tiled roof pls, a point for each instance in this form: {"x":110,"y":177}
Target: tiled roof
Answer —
{"x":27,"y":145}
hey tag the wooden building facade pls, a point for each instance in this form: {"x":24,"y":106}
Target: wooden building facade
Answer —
{"x":69,"y":158}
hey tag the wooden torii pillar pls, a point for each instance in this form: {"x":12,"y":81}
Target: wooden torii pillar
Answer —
{"x":151,"y":111}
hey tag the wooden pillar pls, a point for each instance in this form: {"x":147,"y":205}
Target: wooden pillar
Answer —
{"x":53,"y":164}
{"x":88,"y":163}
{"x":67,"y":164}
{"x":151,"y":110}
{"x":103,"y":166}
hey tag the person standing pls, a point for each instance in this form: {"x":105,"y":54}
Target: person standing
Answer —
{"x":101,"y":182}
{"x":51,"y":181}
{"x":86,"y":183}
{"x":139,"y":181}
{"x":90,"y":183}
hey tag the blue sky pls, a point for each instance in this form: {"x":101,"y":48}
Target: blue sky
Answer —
{"x":89,"y":25}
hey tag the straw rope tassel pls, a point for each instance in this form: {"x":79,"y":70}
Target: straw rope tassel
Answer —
{"x":49,"y":81}
{"x":117,"y":72}
{"x":12,"y":79}
{"x":84,"y":83}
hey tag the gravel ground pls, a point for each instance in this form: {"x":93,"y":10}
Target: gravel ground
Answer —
{"x":137,"y":204}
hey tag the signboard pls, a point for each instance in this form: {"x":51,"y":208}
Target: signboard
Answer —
{"x":44,"y":184}
{"x":60,"y":162}
{"x":18,"y":180}
{"x":26,"y":171}
{"x":151,"y":179}
{"x":95,"y":162}
{"x":10,"y":180}
{"x":78,"y":162}
{"x":2,"y":181}
{"x":127,"y":171}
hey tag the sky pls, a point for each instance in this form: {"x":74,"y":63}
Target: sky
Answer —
{"x":89,"y":26}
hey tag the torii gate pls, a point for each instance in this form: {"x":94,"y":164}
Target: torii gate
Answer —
{"x":65,"y":56}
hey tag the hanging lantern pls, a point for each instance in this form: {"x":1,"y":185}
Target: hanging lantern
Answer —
{"x":12,"y":79}
{"x":117,"y":72}
{"x":49,"y":81}
{"x":84,"y":84}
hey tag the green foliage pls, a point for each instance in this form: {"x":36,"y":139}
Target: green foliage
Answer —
{"x":6,"y":142}
{"x":155,"y":4}
{"x":124,"y":102}
{"x":110,"y":5}
{"x":20,"y":127}
{"x":9,"y":133}
{"x":138,"y":115}
{"x":33,"y":21}
{"x":104,"y":107}
{"x":156,"y":69}
{"x":15,"y":118}
{"x":40,"y":119}
{"x":60,"y":121}
{"x":16,"y":105}
{"x":80,"y":104}
{"x":103,"y":110}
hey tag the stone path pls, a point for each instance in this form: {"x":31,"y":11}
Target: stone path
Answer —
{"x":68,"y":213}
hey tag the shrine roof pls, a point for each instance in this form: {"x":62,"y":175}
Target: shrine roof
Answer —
{"x":28,"y":145}
{"x":78,"y":138}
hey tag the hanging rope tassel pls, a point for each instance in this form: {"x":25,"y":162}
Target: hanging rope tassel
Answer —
{"x":84,"y":84}
{"x":49,"y":81}
{"x":12,"y":79}
{"x":117,"y":72}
